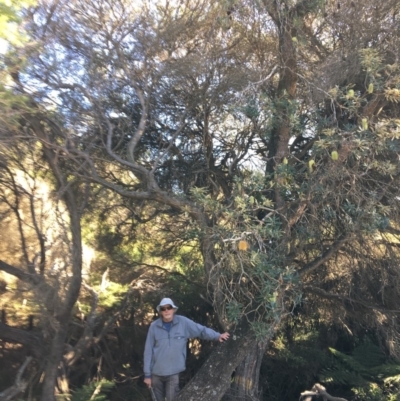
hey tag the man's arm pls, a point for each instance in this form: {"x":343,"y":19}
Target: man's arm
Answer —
{"x":148,"y":355}
{"x":196,"y":330}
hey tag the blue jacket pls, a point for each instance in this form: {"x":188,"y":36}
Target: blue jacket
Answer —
{"x":165,"y":352}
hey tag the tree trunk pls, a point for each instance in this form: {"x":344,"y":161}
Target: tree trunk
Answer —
{"x":63,"y":311}
{"x":215,"y":376}
{"x":58,"y":343}
{"x":53,"y":362}
{"x":245,"y":383}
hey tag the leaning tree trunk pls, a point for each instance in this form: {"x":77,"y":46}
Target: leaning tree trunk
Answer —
{"x":246,"y":378}
{"x":214,"y":377}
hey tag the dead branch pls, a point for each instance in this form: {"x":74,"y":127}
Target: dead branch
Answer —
{"x":318,"y":391}
{"x":318,"y":261}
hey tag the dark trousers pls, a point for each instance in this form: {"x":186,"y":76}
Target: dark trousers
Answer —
{"x":165,"y":387}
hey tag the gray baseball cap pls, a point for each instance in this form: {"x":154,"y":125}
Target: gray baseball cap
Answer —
{"x":166,"y":301}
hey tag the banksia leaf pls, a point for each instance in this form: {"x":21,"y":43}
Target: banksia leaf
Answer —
{"x":335,"y":155}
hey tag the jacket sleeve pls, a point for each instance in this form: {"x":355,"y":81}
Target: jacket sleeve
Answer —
{"x":195,"y":330}
{"x":148,"y":352}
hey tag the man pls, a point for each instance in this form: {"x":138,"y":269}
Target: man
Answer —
{"x":165,"y":349}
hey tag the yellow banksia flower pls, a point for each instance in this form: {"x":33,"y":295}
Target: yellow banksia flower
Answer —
{"x":334,"y":155}
{"x":364,"y":123}
{"x":243,"y":245}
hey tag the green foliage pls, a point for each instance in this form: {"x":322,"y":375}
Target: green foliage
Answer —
{"x":294,"y":359}
{"x":367,"y":370}
{"x":262,"y":330}
{"x":249,"y":252}
{"x":373,"y":392}
{"x":112,"y":295}
{"x":9,"y":102}
{"x":344,"y":370}
{"x":9,"y":17}
{"x":95,"y":391}
{"x":234,"y":311}
{"x":11,"y":34}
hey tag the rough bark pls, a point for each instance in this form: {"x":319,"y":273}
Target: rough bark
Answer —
{"x":246,"y":380}
{"x":52,"y":364}
{"x":215,"y":376}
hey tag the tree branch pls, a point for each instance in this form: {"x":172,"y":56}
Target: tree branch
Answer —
{"x":87,"y":338}
{"x":22,"y":275}
{"x":323,"y":294}
{"x":18,"y":336}
{"x":174,"y":273}
{"x":325,"y":255}
{"x":18,"y":386}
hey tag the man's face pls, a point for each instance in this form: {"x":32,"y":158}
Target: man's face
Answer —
{"x":167,"y":313}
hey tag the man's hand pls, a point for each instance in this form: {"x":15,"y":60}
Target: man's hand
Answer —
{"x":147,"y":380}
{"x":223,"y":337}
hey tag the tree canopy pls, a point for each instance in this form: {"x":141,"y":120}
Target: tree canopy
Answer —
{"x":251,"y":148}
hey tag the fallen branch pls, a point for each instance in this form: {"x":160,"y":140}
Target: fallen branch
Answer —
{"x":19,"y":385}
{"x":318,"y":391}
{"x":19,"y":336}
